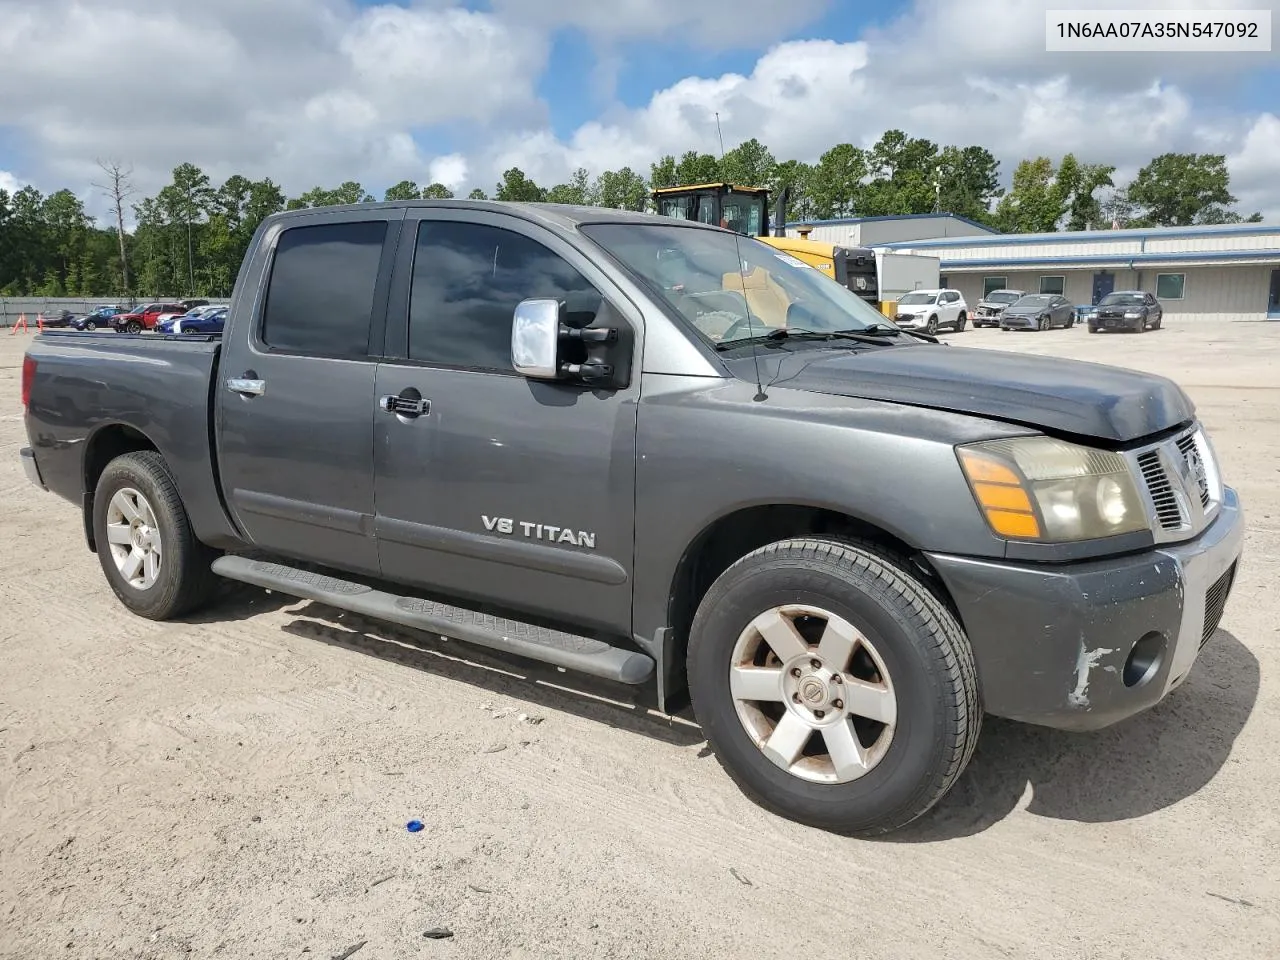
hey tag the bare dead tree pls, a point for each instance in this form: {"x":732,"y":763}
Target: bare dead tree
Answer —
{"x":118,"y":188}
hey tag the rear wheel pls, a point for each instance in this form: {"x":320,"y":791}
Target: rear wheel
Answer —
{"x":834,"y":688}
{"x":151,"y":558}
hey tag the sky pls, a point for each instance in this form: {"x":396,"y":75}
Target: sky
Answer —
{"x":315,"y":92}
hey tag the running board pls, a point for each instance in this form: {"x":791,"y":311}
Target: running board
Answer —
{"x":581,"y":654}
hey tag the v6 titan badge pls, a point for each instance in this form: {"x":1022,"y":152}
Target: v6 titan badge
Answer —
{"x":540,"y":531}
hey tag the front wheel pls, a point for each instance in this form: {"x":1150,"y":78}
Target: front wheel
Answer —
{"x":932,"y":326}
{"x":833,"y":687}
{"x":145,"y":544}
{"x":133,"y":326}
{"x":90,"y":326}
{"x":960,"y":323}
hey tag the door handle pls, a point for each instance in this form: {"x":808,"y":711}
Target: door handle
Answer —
{"x":405,"y":406}
{"x":246,"y":387}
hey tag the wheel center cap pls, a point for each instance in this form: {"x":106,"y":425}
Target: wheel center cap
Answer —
{"x":813,"y":691}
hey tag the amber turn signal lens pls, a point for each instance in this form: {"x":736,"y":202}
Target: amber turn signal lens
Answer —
{"x":1000,"y":493}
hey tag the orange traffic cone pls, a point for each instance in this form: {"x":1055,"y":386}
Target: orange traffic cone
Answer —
{"x":22,"y":323}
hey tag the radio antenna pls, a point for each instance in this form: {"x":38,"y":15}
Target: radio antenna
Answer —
{"x":720,"y":134}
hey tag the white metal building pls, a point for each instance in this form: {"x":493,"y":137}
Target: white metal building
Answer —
{"x":1230,"y":271}
{"x":879,"y":231}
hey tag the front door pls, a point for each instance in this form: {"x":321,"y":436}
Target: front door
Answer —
{"x":296,"y":391}
{"x":1273,"y":298}
{"x":492,"y":487}
{"x":1103,"y":284}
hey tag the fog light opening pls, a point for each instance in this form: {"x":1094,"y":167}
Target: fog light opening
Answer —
{"x":1144,"y":660}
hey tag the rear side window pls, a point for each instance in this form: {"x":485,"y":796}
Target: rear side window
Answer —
{"x":320,"y":296}
{"x":467,"y":280}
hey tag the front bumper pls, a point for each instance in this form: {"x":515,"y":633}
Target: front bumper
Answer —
{"x":1018,"y":323}
{"x":31,"y":468}
{"x":1053,"y":644}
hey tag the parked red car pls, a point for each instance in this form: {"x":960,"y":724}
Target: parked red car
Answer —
{"x":144,"y":318}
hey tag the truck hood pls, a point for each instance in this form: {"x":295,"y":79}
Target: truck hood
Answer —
{"x":1067,"y":396}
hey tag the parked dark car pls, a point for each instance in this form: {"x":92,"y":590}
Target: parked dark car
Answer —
{"x":987,"y":312}
{"x":98,"y":317}
{"x":1038,"y":311}
{"x":197,"y":320}
{"x":61,"y":319}
{"x":1131,"y":310}
{"x":494,"y":422}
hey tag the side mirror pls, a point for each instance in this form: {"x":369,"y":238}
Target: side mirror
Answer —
{"x":550,"y":340}
{"x":535,"y":339}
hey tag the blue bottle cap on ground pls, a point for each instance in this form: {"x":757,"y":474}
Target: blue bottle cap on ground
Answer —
{"x":413,"y":826}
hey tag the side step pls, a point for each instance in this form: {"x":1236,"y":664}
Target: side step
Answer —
{"x":581,"y":654}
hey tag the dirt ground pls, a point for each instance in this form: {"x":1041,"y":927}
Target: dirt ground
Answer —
{"x":238,"y":785}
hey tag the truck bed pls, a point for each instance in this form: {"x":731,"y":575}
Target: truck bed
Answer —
{"x":93,"y":392}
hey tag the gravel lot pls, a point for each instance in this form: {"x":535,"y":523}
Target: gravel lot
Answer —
{"x":238,"y":785}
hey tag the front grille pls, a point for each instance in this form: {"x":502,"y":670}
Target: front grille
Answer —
{"x":1215,"y":603}
{"x":1168,"y":513}
{"x":1190,"y":451}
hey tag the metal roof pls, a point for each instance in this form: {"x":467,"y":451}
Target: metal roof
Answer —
{"x":1188,"y":257}
{"x":904,"y":216}
{"x":1077,"y":236}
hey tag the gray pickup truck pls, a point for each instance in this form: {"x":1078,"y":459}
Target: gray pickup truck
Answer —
{"x":667,"y":455}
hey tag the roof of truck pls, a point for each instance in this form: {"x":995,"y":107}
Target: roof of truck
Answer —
{"x":562,"y":215}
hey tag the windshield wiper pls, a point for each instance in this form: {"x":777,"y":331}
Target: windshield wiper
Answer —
{"x":797,"y":333}
{"x":880,"y":330}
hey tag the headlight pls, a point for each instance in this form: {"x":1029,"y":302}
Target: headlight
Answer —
{"x":1039,"y":488}
{"x":1132,"y":315}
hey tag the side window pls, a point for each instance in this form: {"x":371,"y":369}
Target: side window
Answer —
{"x":320,"y":295}
{"x":467,"y":280}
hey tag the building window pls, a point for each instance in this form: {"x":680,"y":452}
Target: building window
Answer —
{"x":1170,"y":286}
{"x":942,"y":283}
{"x":1053,"y":285}
{"x":992,"y":283}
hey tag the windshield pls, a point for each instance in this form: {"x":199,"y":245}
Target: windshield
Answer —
{"x":1122,"y":300}
{"x":731,"y":287}
{"x":917,"y":298}
{"x":1001,"y":296}
{"x":1031,"y":303}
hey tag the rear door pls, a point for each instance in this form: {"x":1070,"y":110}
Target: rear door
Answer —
{"x":509,"y":491}
{"x":296,"y":390}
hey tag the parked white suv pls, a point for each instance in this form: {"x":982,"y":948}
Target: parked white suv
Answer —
{"x":930,"y":310}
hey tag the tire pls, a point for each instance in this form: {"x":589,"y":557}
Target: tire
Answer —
{"x":1141,"y":327}
{"x":183,"y":580}
{"x":917,"y":655}
{"x":1071,"y":322}
{"x":1159,"y":321}
{"x":960,"y":323}
{"x":932,"y":326}
{"x":133,"y":326}
{"x":90,"y":326}
{"x":1093,"y":329}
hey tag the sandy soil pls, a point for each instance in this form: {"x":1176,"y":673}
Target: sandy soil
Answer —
{"x":238,"y":785}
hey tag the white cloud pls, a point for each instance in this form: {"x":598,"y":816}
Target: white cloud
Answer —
{"x":708,"y":24}
{"x":9,"y":183}
{"x":451,"y":171}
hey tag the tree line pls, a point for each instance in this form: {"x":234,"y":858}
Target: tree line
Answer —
{"x":191,"y":236}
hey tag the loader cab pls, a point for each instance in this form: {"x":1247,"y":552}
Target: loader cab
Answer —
{"x":741,"y":209}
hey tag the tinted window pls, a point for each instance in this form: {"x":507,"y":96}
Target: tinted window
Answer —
{"x":320,"y":298}
{"x":467,"y":280}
